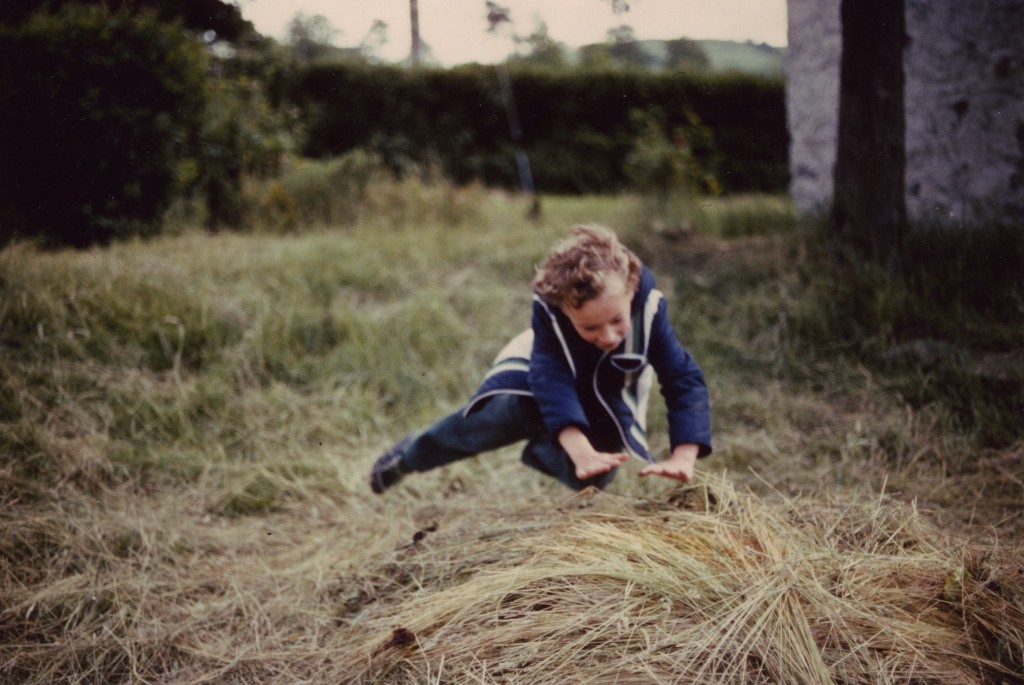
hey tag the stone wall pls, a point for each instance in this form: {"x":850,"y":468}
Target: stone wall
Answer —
{"x":812,"y":99}
{"x":964,"y":67}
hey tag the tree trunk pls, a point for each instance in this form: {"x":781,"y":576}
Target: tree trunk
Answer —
{"x":416,"y":52}
{"x":869,"y":214}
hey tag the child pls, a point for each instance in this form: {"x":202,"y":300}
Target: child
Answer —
{"x":575,"y":384}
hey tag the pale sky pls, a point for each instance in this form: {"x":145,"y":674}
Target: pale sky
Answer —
{"x":456,"y":30}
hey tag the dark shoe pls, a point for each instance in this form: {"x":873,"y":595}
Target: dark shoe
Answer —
{"x":390,"y":467}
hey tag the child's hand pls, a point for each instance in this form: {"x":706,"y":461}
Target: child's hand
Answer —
{"x":593,"y":463}
{"x":679,"y":466}
{"x":588,"y":461}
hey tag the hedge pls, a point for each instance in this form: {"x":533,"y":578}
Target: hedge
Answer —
{"x":577,"y":126}
{"x":98,"y":111}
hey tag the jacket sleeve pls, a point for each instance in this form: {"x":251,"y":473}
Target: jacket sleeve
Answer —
{"x":682,"y":385}
{"x":552,"y":377}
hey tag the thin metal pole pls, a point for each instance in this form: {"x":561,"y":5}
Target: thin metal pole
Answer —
{"x":515,"y":129}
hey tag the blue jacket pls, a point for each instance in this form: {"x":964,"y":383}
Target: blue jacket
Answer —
{"x":605,"y":394}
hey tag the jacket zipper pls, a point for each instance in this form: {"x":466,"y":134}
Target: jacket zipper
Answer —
{"x":618,"y":426}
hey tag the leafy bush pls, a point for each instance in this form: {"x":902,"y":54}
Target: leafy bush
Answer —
{"x":97,"y":114}
{"x":316,"y":192}
{"x":242,"y":135}
{"x":663,"y":166}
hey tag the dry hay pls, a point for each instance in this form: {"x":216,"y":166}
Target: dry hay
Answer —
{"x":705,"y":588}
{"x":696,"y":585}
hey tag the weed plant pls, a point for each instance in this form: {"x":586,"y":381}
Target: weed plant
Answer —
{"x":186,"y":427}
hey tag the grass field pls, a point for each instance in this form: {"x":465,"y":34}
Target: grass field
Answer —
{"x":187,"y":424}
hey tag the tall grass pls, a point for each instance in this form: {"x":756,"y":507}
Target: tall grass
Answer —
{"x":707,"y":587}
{"x":186,"y":426}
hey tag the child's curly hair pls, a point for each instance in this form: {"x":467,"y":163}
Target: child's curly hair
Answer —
{"x":577,"y":269}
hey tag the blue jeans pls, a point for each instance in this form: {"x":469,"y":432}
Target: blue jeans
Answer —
{"x":503,"y":420}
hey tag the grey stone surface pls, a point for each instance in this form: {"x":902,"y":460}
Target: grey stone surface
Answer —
{"x":964,"y":67}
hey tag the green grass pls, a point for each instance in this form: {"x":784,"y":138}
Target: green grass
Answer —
{"x":187,"y":424}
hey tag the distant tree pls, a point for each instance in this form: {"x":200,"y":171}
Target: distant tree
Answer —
{"x":621,"y":34}
{"x":684,"y":53}
{"x":497,"y":16}
{"x":223,"y":18}
{"x":17,"y":12}
{"x":625,"y":49}
{"x":620,"y":50}
{"x":310,"y":36}
{"x":374,"y":39}
{"x":541,"y":49}
{"x":869,"y":213}
{"x":99,"y":113}
{"x":596,"y":56}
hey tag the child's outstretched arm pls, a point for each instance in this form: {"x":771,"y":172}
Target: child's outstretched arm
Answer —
{"x":679,"y":465}
{"x":587,"y":460}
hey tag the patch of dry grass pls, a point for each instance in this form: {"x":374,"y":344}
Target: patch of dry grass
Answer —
{"x":186,"y":427}
{"x":707,"y":586}
{"x":700,"y":584}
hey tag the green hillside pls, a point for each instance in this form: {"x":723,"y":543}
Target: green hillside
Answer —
{"x":726,"y":55}
{"x":723,"y":56}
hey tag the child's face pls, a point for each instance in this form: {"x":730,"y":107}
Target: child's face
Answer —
{"x":604,"y":321}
